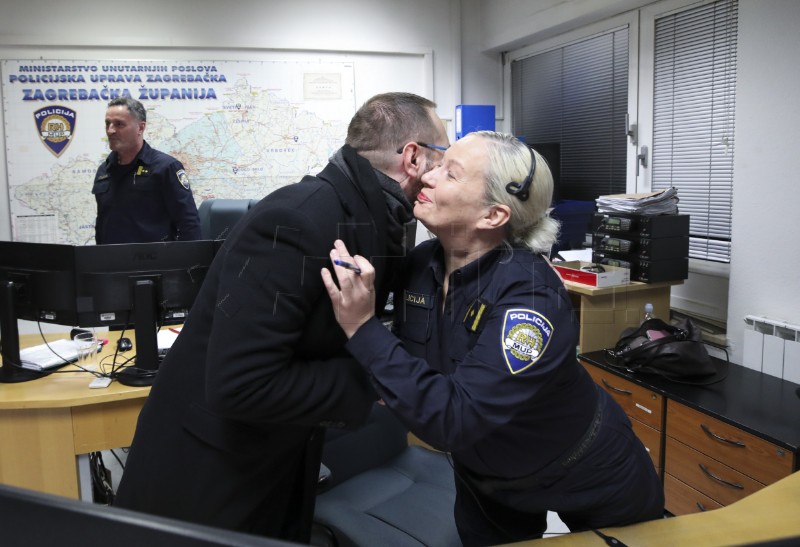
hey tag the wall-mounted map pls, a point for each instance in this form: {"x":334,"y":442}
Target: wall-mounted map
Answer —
{"x":241,"y":129}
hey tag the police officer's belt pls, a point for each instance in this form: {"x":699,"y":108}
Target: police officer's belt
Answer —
{"x":573,"y":456}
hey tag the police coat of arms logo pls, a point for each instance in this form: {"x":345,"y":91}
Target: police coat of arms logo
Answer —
{"x":56,"y":127}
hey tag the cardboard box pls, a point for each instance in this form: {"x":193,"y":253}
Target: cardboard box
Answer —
{"x":576,"y":271}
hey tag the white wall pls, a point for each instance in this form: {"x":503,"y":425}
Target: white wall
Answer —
{"x":510,"y":24}
{"x":766,"y":215}
{"x":765,"y":266}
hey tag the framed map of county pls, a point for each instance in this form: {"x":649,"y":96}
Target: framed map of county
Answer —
{"x":240,"y":128}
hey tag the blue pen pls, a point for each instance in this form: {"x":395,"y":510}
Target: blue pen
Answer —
{"x":347,"y":266}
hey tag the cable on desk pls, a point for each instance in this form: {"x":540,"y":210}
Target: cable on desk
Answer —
{"x":610,"y":540}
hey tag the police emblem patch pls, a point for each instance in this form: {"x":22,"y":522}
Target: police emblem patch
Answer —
{"x":183,"y":178}
{"x":56,"y":127}
{"x":526,"y":335}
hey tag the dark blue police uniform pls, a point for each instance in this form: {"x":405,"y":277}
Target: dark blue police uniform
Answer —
{"x":490,"y":375}
{"x":146,"y":200}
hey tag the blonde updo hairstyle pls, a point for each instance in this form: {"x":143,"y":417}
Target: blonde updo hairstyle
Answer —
{"x":530,"y":224}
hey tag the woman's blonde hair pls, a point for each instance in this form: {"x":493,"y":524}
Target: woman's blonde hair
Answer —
{"x":510,"y":161}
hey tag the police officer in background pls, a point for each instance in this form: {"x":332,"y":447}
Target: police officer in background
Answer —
{"x":485,"y":366}
{"x":142,"y":194}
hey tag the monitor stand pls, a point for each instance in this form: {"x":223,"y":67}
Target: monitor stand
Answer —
{"x":11,"y":371}
{"x":144,"y":370}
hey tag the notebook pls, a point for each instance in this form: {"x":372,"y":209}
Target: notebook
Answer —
{"x":42,"y":357}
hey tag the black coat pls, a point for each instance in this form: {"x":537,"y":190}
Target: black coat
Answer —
{"x":231,"y":433}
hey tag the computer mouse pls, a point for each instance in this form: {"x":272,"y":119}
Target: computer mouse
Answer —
{"x":124,"y":344}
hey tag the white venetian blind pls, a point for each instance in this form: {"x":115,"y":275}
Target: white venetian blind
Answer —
{"x":693,"y":120}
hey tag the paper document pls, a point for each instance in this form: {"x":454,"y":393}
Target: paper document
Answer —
{"x":584,"y":255}
{"x":664,"y":202}
{"x":166,"y":337}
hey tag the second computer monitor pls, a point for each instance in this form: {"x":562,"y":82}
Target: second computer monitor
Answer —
{"x":146,"y":285}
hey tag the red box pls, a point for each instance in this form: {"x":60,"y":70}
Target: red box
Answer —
{"x":578,"y":272}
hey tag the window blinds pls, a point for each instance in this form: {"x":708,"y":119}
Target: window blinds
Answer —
{"x":573,"y":99}
{"x":693,"y":120}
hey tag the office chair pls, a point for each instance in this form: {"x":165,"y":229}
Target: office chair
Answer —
{"x":383,"y":491}
{"x":219,"y":216}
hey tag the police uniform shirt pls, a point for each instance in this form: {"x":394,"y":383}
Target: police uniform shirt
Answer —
{"x":491,"y":373}
{"x":144,"y":201}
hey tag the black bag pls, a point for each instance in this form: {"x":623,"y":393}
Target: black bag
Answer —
{"x":673,"y":351}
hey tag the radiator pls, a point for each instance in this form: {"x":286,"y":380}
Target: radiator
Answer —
{"x":772,"y":346}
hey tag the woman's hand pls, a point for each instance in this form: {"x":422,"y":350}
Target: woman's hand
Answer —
{"x":354,"y":302}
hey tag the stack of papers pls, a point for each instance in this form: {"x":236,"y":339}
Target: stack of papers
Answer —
{"x":664,"y":202}
{"x":49,"y":355}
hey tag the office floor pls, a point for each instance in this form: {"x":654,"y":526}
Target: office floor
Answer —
{"x":554,"y":525}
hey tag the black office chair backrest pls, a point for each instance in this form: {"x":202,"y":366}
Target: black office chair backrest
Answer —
{"x":219,"y":216}
{"x":347,"y":453}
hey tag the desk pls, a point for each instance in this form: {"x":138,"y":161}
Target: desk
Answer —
{"x":45,"y":424}
{"x":769,"y":514}
{"x":605,"y":312}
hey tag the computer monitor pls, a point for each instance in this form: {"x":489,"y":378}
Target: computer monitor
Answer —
{"x":147,"y":285}
{"x":35,"y":518}
{"x":37,"y":283}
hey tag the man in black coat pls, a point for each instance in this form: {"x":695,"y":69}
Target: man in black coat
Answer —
{"x":231,"y":433}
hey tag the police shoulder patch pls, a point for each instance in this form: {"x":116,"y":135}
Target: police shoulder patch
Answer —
{"x":183,"y":178}
{"x":526,"y":334}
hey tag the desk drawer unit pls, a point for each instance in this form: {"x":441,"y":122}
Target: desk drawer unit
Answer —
{"x":719,"y":481}
{"x":719,"y":460}
{"x":684,"y":500}
{"x":644,"y":407}
{"x":652,"y":439}
{"x":752,"y":455}
{"x":719,"y":442}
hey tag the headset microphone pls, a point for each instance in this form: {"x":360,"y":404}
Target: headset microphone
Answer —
{"x":521,"y":190}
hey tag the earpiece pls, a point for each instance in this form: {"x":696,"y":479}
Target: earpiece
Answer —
{"x":521,"y":190}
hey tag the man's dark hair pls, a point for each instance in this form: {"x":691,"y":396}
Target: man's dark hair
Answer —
{"x":134,"y":107}
{"x":390,"y":120}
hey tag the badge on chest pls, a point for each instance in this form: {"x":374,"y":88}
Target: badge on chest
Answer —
{"x":418,"y":299}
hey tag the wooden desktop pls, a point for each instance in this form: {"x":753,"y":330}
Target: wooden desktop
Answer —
{"x":765,"y":516}
{"x":48,"y":426}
